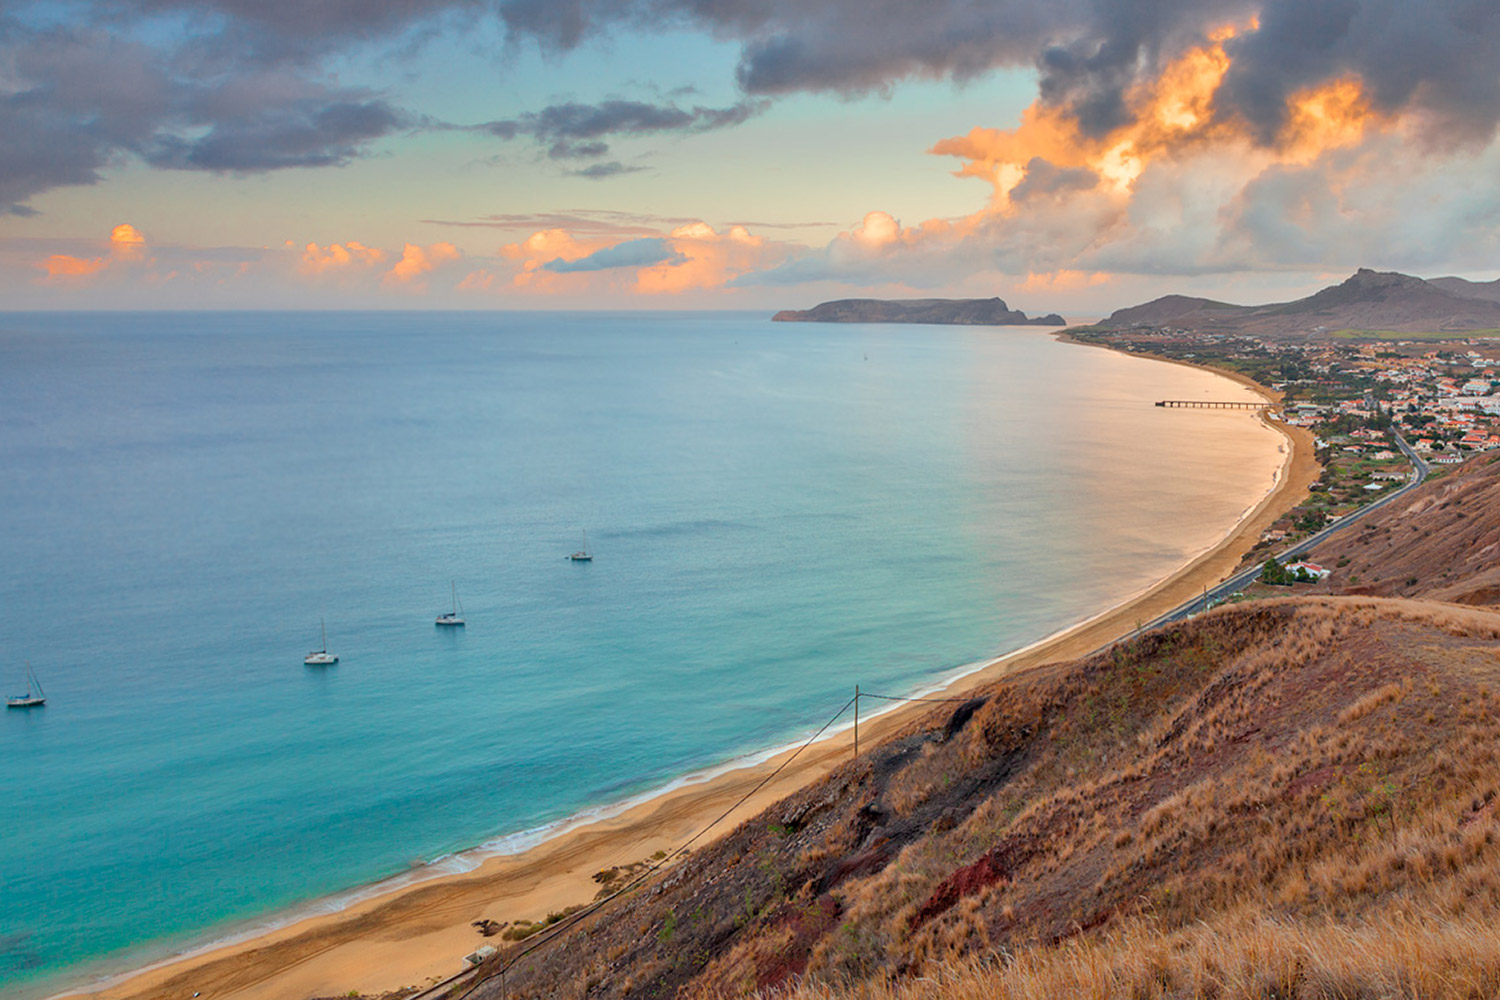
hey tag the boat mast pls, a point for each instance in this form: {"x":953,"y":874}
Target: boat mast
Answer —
{"x":324,"y":623}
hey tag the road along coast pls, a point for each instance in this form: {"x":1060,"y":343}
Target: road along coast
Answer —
{"x":417,"y":933}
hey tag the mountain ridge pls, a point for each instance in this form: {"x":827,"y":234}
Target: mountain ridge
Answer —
{"x":1367,"y":300}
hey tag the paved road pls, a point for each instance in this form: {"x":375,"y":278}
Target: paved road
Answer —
{"x":1244,"y":578}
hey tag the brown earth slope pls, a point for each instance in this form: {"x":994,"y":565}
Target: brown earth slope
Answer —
{"x":1287,"y":798}
{"x":1442,"y":541}
{"x":1469,"y":289}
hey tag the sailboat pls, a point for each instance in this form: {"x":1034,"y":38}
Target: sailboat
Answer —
{"x":454,"y":617}
{"x":321,"y":657}
{"x":582,"y":555}
{"x":29,"y":700}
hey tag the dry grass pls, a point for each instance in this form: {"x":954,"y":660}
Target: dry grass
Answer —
{"x":1257,"y":959}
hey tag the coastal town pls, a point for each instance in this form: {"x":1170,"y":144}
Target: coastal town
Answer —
{"x":1355,"y":396}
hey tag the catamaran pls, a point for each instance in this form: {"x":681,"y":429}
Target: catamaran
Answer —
{"x":29,"y":699}
{"x":582,"y":555}
{"x":321,"y":657}
{"x":454,"y":617}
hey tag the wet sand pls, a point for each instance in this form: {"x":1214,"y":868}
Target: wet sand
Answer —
{"x":418,"y":934}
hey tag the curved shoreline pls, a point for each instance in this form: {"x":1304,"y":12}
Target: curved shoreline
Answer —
{"x":409,"y":930}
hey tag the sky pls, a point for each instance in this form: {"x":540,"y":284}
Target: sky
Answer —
{"x":1074,"y":156}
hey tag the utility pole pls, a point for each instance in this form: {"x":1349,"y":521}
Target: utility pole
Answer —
{"x":856,"y":722}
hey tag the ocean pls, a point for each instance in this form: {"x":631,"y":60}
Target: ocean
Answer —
{"x":776,"y":512}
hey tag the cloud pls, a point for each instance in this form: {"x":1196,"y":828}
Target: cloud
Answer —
{"x":339,"y":258}
{"x":310,"y":133}
{"x":1043,"y":178}
{"x":74,"y":101}
{"x":604,"y":222}
{"x":600,"y":171}
{"x":126,"y":251}
{"x":586,"y":221}
{"x":689,"y":257}
{"x":572,"y":130}
{"x":631,"y":253}
{"x":706,"y":259}
{"x":417,"y":263}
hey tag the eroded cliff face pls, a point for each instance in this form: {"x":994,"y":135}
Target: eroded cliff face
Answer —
{"x":960,"y":312}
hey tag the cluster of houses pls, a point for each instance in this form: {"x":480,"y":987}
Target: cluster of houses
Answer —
{"x":1445,"y":401}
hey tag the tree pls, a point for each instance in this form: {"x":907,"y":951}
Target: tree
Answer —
{"x":1277,"y":575}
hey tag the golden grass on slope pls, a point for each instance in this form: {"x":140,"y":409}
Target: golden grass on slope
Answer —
{"x":1256,"y":959}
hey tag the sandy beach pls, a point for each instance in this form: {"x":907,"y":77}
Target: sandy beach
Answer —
{"x":416,"y":934}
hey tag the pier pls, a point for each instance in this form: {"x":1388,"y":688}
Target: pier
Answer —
{"x":1211,"y":404}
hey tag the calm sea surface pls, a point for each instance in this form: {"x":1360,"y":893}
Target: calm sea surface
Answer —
{"x":777,"y":512}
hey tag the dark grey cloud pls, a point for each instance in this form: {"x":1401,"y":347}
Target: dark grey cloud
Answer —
{"x":631,"y":253}
{"x":603,"y":171}
{"x":309,"y":134}
{"x":573,"y":130}
{"x":1438,"y":56}
{"x":271,"y":32}
{"x":77,"y":101}
{"x":1043,"y":177}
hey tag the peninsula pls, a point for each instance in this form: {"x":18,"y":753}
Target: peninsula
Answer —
{"x":948,"y":312}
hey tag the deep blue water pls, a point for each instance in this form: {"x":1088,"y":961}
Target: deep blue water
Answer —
{"x":777,"y":512}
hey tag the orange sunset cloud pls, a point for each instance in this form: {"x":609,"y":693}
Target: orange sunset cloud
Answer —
{"x":337,"y":257}
{"x":417,"y":262}
{"x":712,"y":259}
{"x":126,"y":246}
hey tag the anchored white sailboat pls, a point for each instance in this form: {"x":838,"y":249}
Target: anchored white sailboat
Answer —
{"x":34,"y":697}
{"x":582,"y":555}
{"x":321,"y":657}
{"x":456,"y":616}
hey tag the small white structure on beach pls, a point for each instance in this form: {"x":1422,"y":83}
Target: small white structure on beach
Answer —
{"x":480,"y":954}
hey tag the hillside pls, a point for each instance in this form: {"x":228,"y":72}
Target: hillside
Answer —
{"x":1469,"y":289}
{"x":1367,"y":300}
{"x":1174,"y":310}
{"x":1441,"y":542}
{"x":960,"y":312}
{"x":1292,"y":797}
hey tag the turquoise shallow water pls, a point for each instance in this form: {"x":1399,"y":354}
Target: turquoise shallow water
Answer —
{"x":777,"y":512}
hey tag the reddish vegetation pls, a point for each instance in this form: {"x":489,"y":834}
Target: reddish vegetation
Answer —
{"x":995,"y":866}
